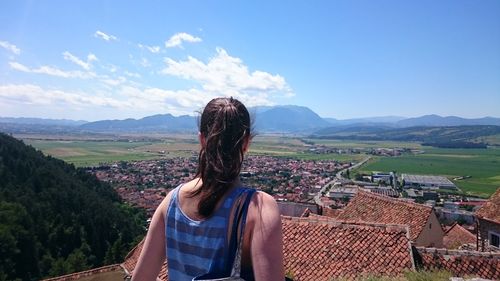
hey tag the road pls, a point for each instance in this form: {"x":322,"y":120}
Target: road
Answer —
{"x":338,"y":177}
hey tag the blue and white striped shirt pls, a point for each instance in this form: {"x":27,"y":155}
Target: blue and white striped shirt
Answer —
{"x":197,"y":248}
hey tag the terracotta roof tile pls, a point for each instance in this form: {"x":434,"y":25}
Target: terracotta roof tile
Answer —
{"x":332,"y":213}
{"x":371,"y":207}
{"x":319,"y":248}
{"x":132,"y":258}
{"x":86,"y":273}
{"x":456,"y":236}
{"x":490,"y":210}
{"x":460,"y":263}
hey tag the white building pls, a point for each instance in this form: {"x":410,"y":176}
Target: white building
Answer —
{"x":427,"y":182}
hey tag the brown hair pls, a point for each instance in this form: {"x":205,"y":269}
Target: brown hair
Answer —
{"x":225,"y":127}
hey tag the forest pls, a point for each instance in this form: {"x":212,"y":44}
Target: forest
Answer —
{"x":56,"y":219}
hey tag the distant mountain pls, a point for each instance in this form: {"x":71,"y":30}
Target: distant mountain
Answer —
{"x":426,"y":120}
{"x":267,"y":119}
{"x":434,"y":134}
{"x":155,"y":123}
{"x":288,"y":118}
{"x":285,"y":119}
{"x":436,"y":120}
{"x":367,"y":120}
{"x":41,"y":121}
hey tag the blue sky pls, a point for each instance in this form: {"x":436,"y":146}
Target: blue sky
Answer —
{"x":343,"y":59}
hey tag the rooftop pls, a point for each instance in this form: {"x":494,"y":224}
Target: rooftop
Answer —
{"x":457,"y":236}
{"x":322,"y":249}
{"x":371,"y":207}
{"x":106,"y":273}
{"x":428,"y":180}
{"x":490,"y":210}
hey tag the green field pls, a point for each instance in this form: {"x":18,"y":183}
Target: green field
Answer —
{"x":92,"y":153}
{"x":483,"y":165}
{"x":364,"y":144}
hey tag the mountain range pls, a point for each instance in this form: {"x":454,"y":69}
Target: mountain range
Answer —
{"x":267,"y":119}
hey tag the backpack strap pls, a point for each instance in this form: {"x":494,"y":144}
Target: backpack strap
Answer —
{"x":240,"y":219}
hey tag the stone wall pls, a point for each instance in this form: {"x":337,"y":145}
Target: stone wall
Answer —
{"x":484,"y":227}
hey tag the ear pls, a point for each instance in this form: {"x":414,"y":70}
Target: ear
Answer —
{"x":246,"y":144}
{"x":202,"y":139}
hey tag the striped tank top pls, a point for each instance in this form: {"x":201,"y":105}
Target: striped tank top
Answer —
{"x":201,"y":248}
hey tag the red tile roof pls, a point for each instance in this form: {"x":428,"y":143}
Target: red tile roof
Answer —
{"x":459,"y":263}
{"x":371,"y":207}
{"x":132,"y":258}
{"x":86,"y":273}
{"x":491,"y":209}
{"x":457,"y":236}
{"x":322,"y":249}
{"x":332,"y":213}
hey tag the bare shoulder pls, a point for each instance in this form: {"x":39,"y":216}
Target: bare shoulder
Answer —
{"x":263,"y":199}
{"x":262,"y":206}
{"x":162,"y":208}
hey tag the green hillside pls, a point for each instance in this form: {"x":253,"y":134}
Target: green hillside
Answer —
{"x":456,"y":134}
{"x":56,"y":219}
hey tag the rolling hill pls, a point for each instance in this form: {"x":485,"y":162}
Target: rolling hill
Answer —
{"x":436,"y":134}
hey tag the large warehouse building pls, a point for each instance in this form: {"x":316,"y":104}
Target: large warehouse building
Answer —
{"x":427,"y":182}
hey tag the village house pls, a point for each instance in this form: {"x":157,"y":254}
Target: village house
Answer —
{"x":456,"y":237}
{"x":488,"y":224}
{"x":425,"y":229}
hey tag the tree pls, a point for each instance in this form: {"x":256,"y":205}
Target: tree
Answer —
{"x":56,"y":219}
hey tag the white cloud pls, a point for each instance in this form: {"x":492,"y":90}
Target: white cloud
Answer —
{"x":91,"y":57}
{"x":110,"y":67}
{"x":145,"y":62}
{"x":34,"y":94}
{"x":177,"y":39}
{"x":10,"y":47}
{"x":85,"y":65}
{"x":19,"y":67}
{"x":152,"y":49}
{"x":104,"y":36}
{"x":114,"y":82}
{"x":125,"y":98}
{"x":229,"y":76}
{"x":132,"y":74}
{"x":53,"y":71}
{"x":160,"y":100}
